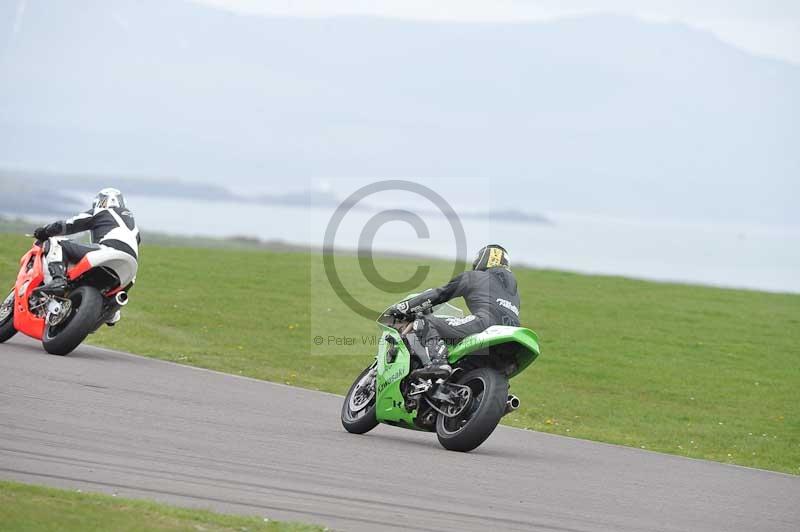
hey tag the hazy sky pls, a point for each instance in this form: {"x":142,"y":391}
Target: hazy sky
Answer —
{"x":764,"y":27}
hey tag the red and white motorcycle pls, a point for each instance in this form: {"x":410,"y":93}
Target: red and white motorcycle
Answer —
{"x":97,"y":289}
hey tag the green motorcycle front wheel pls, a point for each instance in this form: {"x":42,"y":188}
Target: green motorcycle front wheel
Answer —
{"x":358,"y":410}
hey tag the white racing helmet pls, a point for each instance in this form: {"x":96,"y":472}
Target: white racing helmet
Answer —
{"x":108,"y":198}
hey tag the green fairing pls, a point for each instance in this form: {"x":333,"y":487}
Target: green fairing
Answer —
{"x":498,"y":340}
{"x":389,"y":405}
{"x":526,"y":339}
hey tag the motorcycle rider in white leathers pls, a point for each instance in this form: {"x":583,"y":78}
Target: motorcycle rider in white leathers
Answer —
{"x":114,"y":236}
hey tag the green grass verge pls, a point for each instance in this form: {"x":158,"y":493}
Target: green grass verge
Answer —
{"x":26,"y":508}
{"x":695,"y":371}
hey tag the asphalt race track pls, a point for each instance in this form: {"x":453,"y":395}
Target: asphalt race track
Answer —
{"x":117,"y":423}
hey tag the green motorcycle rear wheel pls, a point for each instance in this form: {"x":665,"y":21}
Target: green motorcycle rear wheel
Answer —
{"x":487,"y":405}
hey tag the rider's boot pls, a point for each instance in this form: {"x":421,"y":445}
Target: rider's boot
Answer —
{"x":439,"y":367}
{"x":58,"y":284}
{"x":114,"y":319}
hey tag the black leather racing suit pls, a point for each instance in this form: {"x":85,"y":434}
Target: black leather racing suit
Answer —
{"x":113,"y":227}
{"x":492,"y":299}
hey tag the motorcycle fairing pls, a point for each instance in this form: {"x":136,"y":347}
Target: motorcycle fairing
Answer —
{"x":523,"y":344}
{"x":31,"y":276}
{"x":122,"y":264}
{"x":519,"y":342}
{"x":392,"y":368}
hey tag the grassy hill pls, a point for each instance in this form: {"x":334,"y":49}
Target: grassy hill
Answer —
{"x":695,"y":371}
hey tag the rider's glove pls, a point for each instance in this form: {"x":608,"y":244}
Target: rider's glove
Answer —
{"x":41,"y":233}
{"x":53,"y":229}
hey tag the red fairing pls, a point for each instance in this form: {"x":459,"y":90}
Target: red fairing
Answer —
{"x":79,"y":269}
{"x":114,"y":291}
{"x":30,"y":277}
{"x":27,"y":281}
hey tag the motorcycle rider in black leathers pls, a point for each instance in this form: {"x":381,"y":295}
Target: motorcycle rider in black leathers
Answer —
{"x":114,"y":234}
{"x":490,"y":291}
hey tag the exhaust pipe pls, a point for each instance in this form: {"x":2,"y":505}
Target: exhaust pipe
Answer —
{"x":121,"y":298}
{"x":511,"y":404}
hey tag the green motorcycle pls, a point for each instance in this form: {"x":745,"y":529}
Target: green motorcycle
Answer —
{"x":465,"y":408}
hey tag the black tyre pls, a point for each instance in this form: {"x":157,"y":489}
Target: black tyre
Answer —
{"x":87,"y":305}
{"x":488,"y":403}
{"x":358,"y":410}
{"x":7,"y":329}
